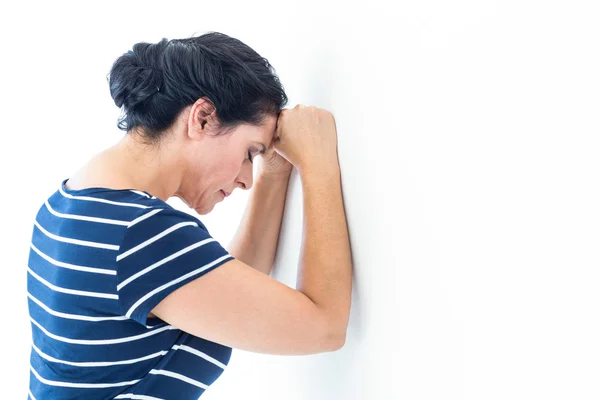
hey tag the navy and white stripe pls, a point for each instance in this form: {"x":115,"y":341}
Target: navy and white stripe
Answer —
{"x":100,"y":260}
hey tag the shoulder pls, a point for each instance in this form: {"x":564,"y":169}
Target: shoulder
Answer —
{"x":161,"y":250}
{"x":161,"y":215}
{"x":163,"y":231}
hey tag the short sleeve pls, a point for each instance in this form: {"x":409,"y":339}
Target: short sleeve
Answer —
{"x":161,"y":250}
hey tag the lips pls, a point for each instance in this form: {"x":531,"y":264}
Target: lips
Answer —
{"x":225,"y":193}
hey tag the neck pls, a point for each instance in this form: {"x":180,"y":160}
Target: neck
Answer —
{"x":153,"y":169}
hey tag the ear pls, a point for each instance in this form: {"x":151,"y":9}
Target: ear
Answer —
{"x":203,"y":118}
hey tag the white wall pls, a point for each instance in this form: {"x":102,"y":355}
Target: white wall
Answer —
{"x":468,"y":140}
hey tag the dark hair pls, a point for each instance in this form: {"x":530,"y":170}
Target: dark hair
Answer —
{"x":153,"y":82}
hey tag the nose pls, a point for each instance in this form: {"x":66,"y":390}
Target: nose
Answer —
{"x":245,"y":178}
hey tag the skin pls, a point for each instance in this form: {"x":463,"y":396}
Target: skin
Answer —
{"x":190,"y":162}
{"x":194,"y":164}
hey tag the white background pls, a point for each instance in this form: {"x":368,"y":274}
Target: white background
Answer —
{"x":468,"y":140}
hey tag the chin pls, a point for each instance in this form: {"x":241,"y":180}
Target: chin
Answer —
{"x":203,"y":210}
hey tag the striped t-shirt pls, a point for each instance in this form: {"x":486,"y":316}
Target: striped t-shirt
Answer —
{"x":100,"y":261}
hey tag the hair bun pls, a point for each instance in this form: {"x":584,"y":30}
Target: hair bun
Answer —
{"x":154,"y":82}
{"x":136,"y":75}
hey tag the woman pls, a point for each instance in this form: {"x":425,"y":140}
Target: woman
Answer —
{"x":130,"y":298}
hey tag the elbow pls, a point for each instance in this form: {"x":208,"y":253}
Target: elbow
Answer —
{"x":334,"y":333}
{"x":340,"y":344}
{"x":337,"y":342}
{"x":338,"y":334}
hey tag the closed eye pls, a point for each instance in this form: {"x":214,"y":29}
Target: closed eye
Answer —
{"x":252,"y":149}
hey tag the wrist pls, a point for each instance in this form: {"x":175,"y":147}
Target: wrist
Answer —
{"x":274,"y":177}
{"x":324,"y":170}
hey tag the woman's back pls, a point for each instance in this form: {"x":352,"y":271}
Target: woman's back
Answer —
{"x":100,"y":260}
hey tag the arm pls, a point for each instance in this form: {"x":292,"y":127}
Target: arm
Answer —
{"x":223,"y":307}
{"x":255,"y":241}
{"x":325,"y":273}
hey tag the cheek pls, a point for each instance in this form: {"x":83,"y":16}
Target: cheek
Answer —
{"x":231,"y":168}
{"x":223,"y":169}
{"x":223,"y":175}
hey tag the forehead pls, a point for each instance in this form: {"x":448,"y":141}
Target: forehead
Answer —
{"x":270,"y":125}
{"x":262,"y":134}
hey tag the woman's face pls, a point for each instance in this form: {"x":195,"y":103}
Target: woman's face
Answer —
{"x":218,"y":164}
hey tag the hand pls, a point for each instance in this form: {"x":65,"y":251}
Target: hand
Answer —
{"x":273,"y":165}
{"x":307,"y":137}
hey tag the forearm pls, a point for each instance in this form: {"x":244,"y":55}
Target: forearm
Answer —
{"x":325,"y":273}
{"x":255,"y":241}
